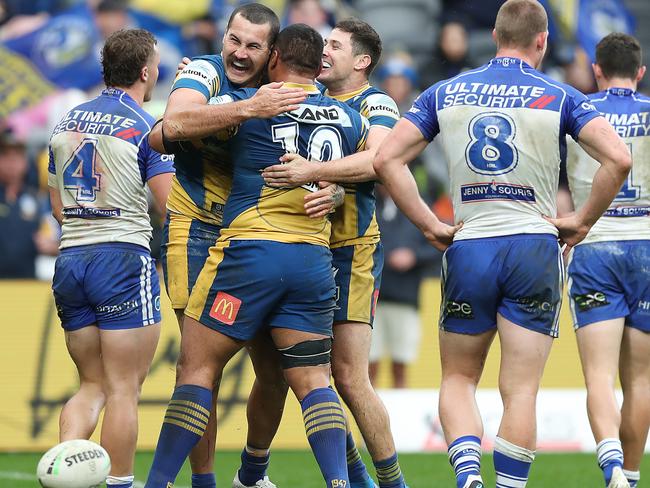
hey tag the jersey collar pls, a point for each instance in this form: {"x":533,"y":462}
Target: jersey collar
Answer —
{"x":309,"y":88}
{"x":509,"y":62}
{"x":620,"y":92}
{"x":347,"y":96}
{"x":117,"y":93}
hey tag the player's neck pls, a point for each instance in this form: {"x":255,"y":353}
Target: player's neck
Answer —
{"x":134,"y":91}
{"x":348,"y":85}
{"x":607,"y":83}
{"x":507,"y":52}
{"x":289,"y":76}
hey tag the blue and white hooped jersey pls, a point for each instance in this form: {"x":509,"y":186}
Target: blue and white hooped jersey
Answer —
{"x":628,"y":217}
{"x":100,"y":159}
{"x":502,"y":128}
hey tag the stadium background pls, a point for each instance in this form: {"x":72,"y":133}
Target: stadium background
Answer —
{"x":48,"y":62}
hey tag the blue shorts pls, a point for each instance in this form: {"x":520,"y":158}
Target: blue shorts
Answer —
{"x":357,"y":271}
{"x":114,"y":286}
{"x":610,"y":280}
{"x":248,"y":284}
{"x":186,"y":243}
{"x":519,"y":277}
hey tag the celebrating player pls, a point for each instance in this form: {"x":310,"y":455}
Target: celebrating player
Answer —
{"x":608,"y":289}
{"x":502,"y":126}
{"x":105,"y":283}
{"x":271,"y":266}
{"x":351,"y":53}
{"x":196,"y":202}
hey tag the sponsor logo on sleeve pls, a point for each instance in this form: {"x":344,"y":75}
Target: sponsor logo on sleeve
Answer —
{"x":593,"y":299}
{"x":201,"y":71}
{"x":225,"y":308}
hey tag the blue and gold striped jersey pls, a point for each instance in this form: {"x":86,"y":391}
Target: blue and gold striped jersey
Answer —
{"x":321,"y":129}
{"x":355,"y":221}
{"x":203,"y":176}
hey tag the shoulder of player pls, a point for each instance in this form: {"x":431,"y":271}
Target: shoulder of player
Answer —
{"x":375,"y":100}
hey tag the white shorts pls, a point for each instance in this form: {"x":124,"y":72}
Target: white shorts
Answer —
{"x":396,"y":332}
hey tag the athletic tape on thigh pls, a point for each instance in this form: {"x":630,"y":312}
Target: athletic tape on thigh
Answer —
{"x":307,"y":353}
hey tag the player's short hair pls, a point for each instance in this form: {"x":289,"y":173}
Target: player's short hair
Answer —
{"x":619,"y":55}
{"x":124,"y":55}
{"x":300,"y":48}
{"x":518,"y":23}
{"x":365,"y":40}
{"x":258,"y":14}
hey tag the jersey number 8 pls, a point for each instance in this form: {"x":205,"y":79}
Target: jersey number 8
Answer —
{"x":490,"y":150}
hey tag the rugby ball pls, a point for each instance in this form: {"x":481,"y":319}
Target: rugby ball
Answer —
{"x":77,"y":463}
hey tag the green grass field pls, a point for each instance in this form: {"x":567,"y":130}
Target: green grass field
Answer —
{"x":297,"y":469}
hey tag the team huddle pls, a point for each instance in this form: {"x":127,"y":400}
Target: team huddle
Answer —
{"x":264,"y":164}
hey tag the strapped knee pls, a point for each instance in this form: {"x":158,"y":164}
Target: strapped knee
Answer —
{"x":307,"y":353}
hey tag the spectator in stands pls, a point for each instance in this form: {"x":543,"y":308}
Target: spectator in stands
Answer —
{"x":409,"y":257}
{"x":398,"y":78}
{"x":312,"y":13}
{"x":22,"y":213}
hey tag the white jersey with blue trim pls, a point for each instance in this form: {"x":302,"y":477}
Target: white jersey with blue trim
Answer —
{"x":628,"y":217}
{"x":502,"y":128}
{"x":100,"y":159}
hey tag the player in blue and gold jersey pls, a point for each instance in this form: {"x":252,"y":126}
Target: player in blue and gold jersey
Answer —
{"x":105,"y":283}
{"x":609,"y":282}
{"x":271,"y":266}
{"x":349,"y":57}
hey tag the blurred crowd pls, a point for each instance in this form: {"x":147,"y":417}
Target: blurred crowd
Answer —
{"x":49,"y":52}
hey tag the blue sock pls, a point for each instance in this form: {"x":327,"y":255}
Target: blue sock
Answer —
{"x":389,"y":473}
{"x":206,"y":480}
{"x":184,"y":424}
{"x":356,"y":469}
{"x":465,"y":457}
{"x":253,"y":468}
{"x":633,"y":477}
{"x":325,"y":426}
{"x":610,"y":455}
{"x":511,"y":463}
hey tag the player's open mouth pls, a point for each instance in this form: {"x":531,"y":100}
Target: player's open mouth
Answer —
{"x":239,"y":66}
{"x":326,"y":65}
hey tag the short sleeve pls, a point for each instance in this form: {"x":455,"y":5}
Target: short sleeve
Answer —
{"x":380,"y":110}
{"x":363,"y":133}
{"x":201,"y":75}
{"x":577,"y":111}
{"x":51,"y":170}
{"x":423,"y":114}
{"x":152,"y":163}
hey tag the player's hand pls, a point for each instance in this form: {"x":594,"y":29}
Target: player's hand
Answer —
{"x":571,"y":229}
{"x":183,"y":63}
{"x":274,"y":99}
{"x":295,"y":171}
{"x":442,"y":235}
{"x":324,"y":201}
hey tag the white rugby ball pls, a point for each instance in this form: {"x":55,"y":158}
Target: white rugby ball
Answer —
{"x":77,"y":463}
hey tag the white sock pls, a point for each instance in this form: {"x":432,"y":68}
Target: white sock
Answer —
{"x":633,"y":477}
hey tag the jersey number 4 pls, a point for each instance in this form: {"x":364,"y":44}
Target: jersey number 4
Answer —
{"x":324,"y":144}
{"x":79,"y":172}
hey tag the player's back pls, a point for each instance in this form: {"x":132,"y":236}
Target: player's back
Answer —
{"x":502,"y":128}
{"x":99,"y":162}
{"x":321,"y":129}
{"x":628,"y":216}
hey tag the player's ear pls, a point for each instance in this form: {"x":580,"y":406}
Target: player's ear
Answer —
{"x":273,"y":59}
{"x":640,"y":74}
{"x":144,"y":73}
{"x":598,"y":72}
{"x":363,"y":61}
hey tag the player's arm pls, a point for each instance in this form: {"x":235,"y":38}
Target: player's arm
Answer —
{"x":188,"y":116}
{"x":157,"y":171}
{"x":354,"y":168}
{"x":601,"y":142}
{"x":160,"y":186}
{"x":324,"y":201}
{"x":56,"y":204}
{"x":404,"y":143}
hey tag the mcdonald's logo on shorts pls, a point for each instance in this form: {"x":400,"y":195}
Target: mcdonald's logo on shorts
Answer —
{"x":225,"y":308}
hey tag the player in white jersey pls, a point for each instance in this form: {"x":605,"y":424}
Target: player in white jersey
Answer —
{"x":502,"y":128}
{"x":609,"y":281}
{"x":105,"y":283}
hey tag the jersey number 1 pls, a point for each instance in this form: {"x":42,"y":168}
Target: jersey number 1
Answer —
{"x":629,"y":192}
{"x":79,"y":172}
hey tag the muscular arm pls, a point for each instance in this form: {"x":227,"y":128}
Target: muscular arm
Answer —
{"x":188,"y":116}
{"x":400,"y":147}
{"x":354,"y":168}
{"x":600,"y":141}
{"x":160,"y":186}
